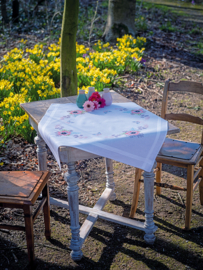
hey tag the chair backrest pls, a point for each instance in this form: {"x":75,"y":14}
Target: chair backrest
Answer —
{"x":185,"y":86}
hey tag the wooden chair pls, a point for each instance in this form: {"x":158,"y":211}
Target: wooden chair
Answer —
{"x":20,"y":189}
{"x":178,"y":153}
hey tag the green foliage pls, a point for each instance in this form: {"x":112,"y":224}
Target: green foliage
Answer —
{"x":196,"y":31}
{"x":167,"y":27}
{"x":141,"y":24}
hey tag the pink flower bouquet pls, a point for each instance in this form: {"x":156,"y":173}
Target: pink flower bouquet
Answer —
{"x":94,"y":102}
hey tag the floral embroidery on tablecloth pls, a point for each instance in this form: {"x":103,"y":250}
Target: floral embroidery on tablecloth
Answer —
{"x":143,"y":127}
{"x":58,"y":127}
{"x":97,"y":134}
{"x":132,"y":133}
{"x":64,"y":117}
{"x":80,"y":136}
{"x":66,"y":133}
{"x":135,"y":111}
{"x":121,"y":109}
{"x":145,"y":116}
{"x":63,"y":132}
{"x":76,"y":112}
{"x":106,"y":112}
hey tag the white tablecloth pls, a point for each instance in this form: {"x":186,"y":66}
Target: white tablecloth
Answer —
{"x":124,"y":132}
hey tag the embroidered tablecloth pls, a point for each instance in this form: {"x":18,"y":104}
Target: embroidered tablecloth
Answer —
{"x":124,"y":132}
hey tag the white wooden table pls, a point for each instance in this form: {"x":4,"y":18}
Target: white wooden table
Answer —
{"x":69,"y":155}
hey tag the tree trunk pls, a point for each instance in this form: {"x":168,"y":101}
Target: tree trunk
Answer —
{"x":68,"y":73}
{"x":121,"y":19}
{"x":4,"y":12}
{"x":15,"y":15}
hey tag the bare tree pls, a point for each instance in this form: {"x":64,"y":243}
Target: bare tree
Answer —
{"x":121,"y":19}
{"x":15,"y":14}
{"x":4,"y":11}
{"x":68,"y":73}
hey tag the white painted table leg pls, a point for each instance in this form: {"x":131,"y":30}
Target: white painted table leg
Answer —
{"x":41,"y":153}
{"x":71,"y":177}
{"x":109,"y":177}
{"x":149,"y":225}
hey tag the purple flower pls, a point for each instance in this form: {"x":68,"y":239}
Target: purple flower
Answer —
{"x":84,"y":55}
{"x":193,"y":2}
{"x":142,"y":61}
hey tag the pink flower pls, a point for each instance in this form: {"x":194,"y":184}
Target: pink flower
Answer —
{"x":95,"y":96}
{"x":96,"y":105}
{"x":88,"y":106}
{"x":102,"y":102}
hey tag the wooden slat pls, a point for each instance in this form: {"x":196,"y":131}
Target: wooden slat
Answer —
{"x":103,"y":199}
{"x":197,"y":183}
{"x":187,"y":86}
{"x":136,"y":191}
{"x":12,"y":227}
{"x":188,"y":212}
{"x":171,"y":161}
{"x":200,"y":159}
{"x":92,"y":218}
{"x":164,"y":185}
{"x":196,"y":173}
{"x":158,"y":178}
{"x":39,"y":208}
{"x":184,"y":117}
{"x":165,"y":99}
{"x":103,"y":215}
{"x":201,"y":183}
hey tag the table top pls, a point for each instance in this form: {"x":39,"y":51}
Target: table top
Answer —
{"x":37,"y":109}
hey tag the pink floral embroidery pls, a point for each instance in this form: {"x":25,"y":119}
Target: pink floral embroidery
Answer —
{"x":64,"y":132}
{"x":76,"y":112}
{"x":132,"y":133}
{"x":137,"y":111}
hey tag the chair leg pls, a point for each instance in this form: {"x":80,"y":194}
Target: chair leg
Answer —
{"x":190,"y":175}
{"x":136,"y":192}
{"x":29,"y":232}
{"x":201,"y":183}
{"x":46,"y":210}
{"x":158,"y":178}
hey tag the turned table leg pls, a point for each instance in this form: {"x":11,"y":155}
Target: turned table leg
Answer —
{"x":149,"y":225}
{"x":71,"y":177}
{"x":109,"y":177}
{"x":41,"y":153}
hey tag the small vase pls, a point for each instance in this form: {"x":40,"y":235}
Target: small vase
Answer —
{"x":107,"y":96}
{"x":81,"y":99}
{"x":91,"y":90}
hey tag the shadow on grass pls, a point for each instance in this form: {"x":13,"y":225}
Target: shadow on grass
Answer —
{"x":138,"y":250}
